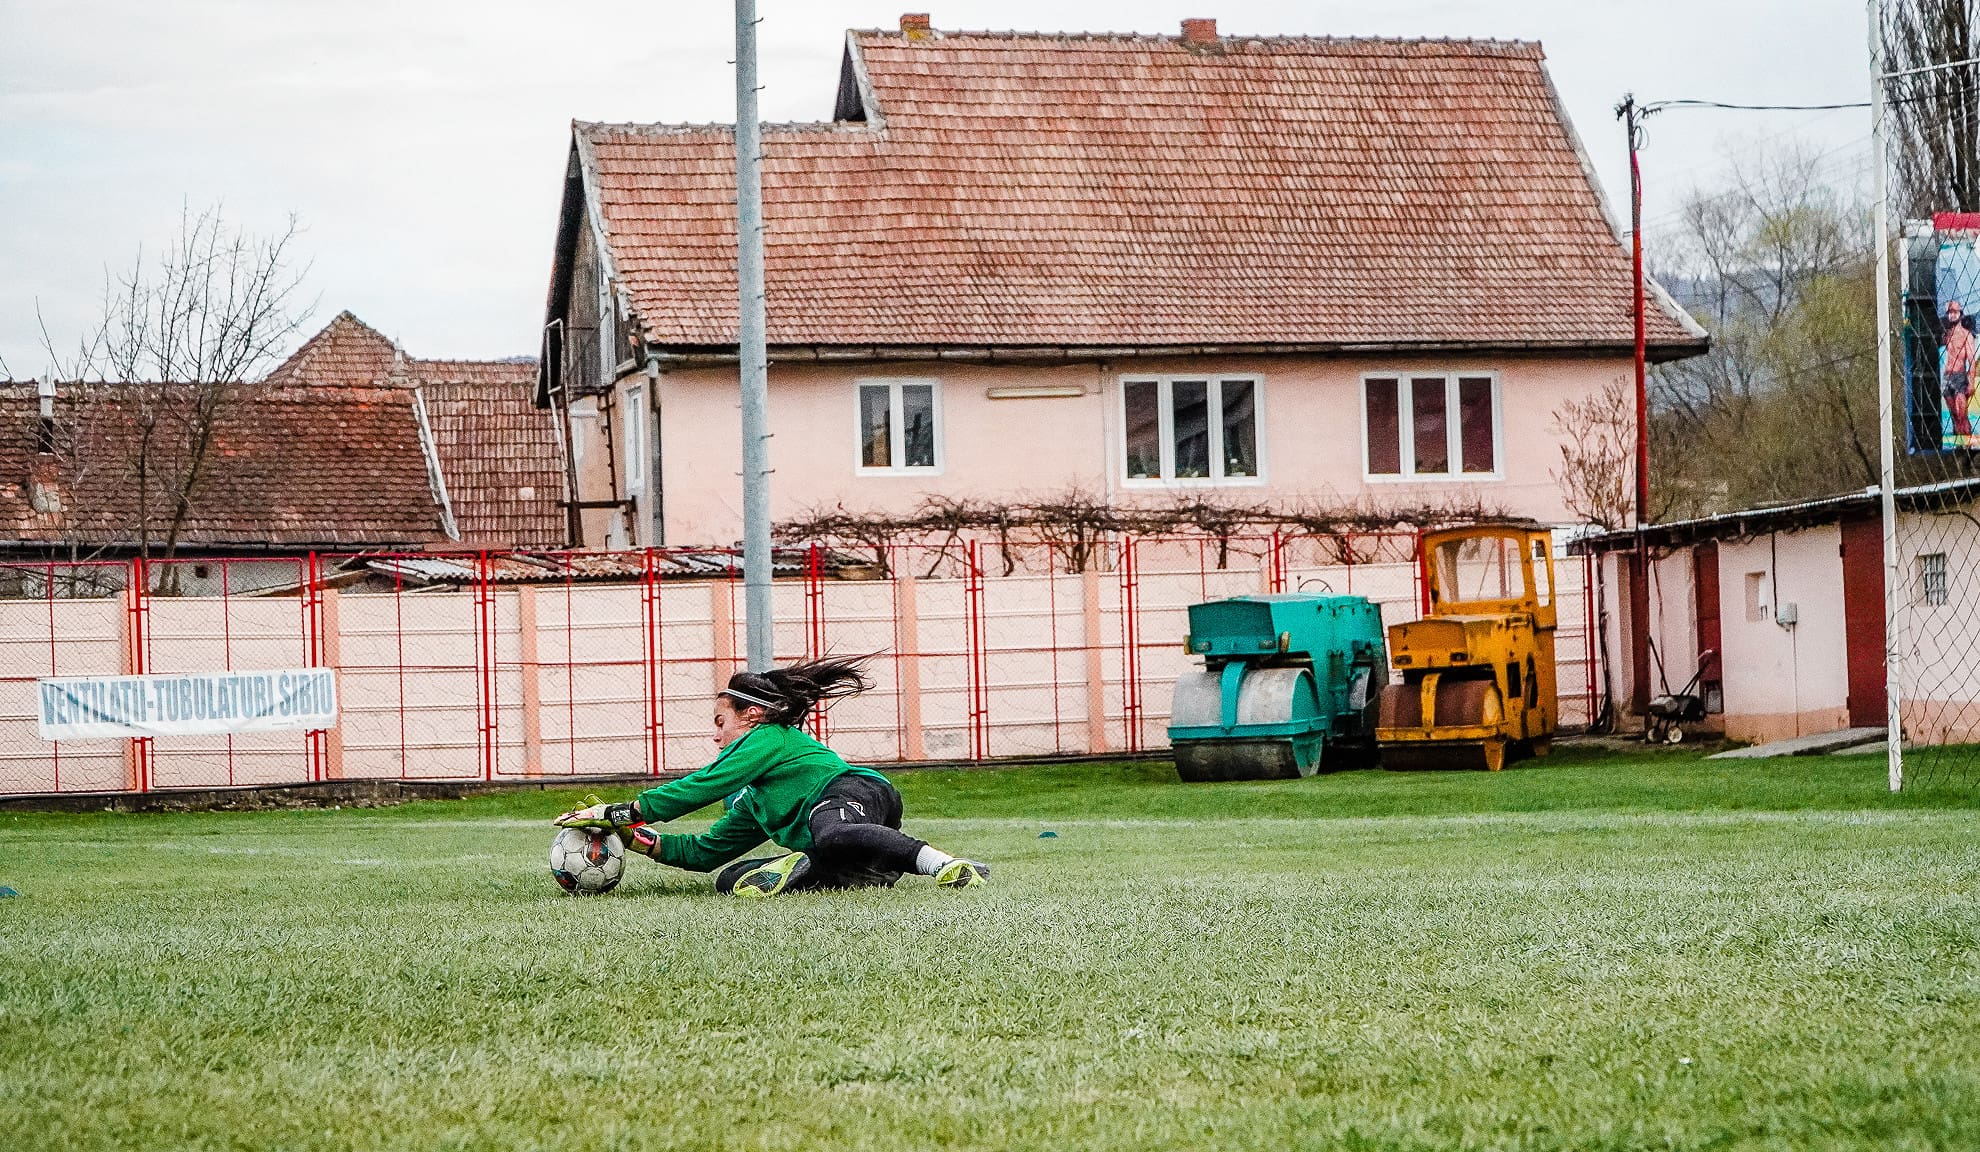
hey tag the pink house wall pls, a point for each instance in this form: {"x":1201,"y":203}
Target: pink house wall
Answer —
{"x":1311,"y":444}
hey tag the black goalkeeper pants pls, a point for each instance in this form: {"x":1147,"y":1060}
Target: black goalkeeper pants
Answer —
{"x":856,"y":839}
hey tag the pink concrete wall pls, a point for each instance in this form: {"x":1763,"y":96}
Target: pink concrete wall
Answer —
{"x":1028,"y":664}
{"x":91,"y":642}
{"x":1311,"y":447}
{"x":1784,"y":681}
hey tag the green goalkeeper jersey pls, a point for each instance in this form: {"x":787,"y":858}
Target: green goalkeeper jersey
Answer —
{"x":770,"y":779}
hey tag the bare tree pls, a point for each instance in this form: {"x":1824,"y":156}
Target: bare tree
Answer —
{"x":1777,"y":264}
{"x":1935,"y":114}
{"x":179,"y":349}
{"x":1598,"y":455}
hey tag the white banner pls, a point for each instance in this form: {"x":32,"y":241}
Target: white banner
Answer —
{"x":102,"y":707}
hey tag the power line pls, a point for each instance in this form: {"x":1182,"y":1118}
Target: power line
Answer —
{"x":1727,"y":106}
{"x":1660,"y":105}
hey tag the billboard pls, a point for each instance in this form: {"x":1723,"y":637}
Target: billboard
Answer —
{"x":1941,"y":341}
{"x":103,"y":707}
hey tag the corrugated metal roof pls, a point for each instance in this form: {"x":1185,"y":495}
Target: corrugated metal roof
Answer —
{"x":1779,"y":517}
{"x":562,"y":567}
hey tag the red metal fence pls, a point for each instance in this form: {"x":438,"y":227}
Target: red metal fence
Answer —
{"x":984,"y":651}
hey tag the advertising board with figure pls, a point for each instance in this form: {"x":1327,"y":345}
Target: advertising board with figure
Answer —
{"x":1941,"y":346}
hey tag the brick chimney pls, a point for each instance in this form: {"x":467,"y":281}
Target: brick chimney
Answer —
{"x":915,"y":24}
{"x":1199,"y":33}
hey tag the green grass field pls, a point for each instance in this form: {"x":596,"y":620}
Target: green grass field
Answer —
{"x":1598,"y":952}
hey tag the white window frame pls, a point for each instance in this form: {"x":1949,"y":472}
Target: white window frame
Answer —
{"x":634,"y":438}
{"x":896,"y":426}
{"x":1166,"y":429}
{"x":1753,"y":591}
{"x":1453,"y":428}
{"x":609,"y":353}
{"x":584,"y":425}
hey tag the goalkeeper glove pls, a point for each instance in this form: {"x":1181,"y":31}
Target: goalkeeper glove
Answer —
{"x":598,"y":814}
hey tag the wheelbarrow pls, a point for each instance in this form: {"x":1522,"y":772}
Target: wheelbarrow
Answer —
{"x":1666,"y":715}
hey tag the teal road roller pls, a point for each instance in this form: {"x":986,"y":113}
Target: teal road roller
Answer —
{"x":1288,"y":682}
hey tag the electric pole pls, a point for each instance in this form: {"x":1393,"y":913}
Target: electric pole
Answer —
{"x":752,"y":354}
{"x":1632,"y":115}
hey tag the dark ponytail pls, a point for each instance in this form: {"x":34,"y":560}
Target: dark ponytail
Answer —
{"x":788,"y":695}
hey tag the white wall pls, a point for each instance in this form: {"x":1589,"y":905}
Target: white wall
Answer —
{"x":1938,"y":646}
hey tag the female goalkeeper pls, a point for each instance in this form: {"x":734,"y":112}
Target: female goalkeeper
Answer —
{"x":840,"y":826}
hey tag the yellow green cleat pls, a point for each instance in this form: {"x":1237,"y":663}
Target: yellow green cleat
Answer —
{"x":960,"y":873}
{"x":772,"y":877}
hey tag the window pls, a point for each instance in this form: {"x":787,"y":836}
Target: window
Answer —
{"x":899,"y":426}
{"x":1443,"y":426}
{"x":583,"y":428}
{"x":1756,"y":595}
{"x":1191,"y":428}
{"x":1477,"y":568}
{"x":1932,"y":578}
{"x":634,"y":439}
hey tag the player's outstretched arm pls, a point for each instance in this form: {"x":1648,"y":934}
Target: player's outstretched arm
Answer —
{"x":725,"y":840}
{"x":598,"y":814}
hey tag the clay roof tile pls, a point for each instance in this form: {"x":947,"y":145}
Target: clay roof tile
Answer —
{"x":1099,"y":190}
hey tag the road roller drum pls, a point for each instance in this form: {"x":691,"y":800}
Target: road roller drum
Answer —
{"x":1287,"y":687}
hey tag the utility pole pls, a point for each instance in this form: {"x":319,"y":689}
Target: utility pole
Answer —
{"x":1632,"y":115}
{"x":752,"y":354}
{"x":1886,"y":456}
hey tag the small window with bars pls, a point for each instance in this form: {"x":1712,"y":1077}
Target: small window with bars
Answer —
{"x":1932,"y":578}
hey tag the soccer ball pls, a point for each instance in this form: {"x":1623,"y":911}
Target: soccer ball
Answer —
{"x":587,"y":861}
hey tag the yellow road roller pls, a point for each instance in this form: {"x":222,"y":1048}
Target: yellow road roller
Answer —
{"x":1478,"y":670}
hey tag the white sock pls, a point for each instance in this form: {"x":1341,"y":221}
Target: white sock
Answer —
{"x":931,"y":860}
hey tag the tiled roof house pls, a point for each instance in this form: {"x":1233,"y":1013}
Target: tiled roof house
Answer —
{"x":499,"y":457}
{"x":1131,"y":263}
{"x":300,"y":469}
{"x":349,"y":446}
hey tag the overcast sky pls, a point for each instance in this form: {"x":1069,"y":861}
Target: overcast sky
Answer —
{"x":421,"y":142}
